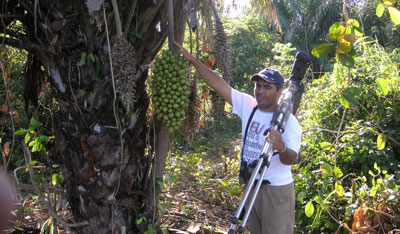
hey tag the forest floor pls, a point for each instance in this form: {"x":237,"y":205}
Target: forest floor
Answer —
{"x":194,"y":203}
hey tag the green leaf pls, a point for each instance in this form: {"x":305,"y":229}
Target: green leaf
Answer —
{"x":334,"y":32}
{"x":339,"y":189}
{"x":91,"y":58}
{"x":380,"y":141}
{"x":371,"y":173}
{"x":139,"y":221}
{"x":358,"y":31}
{"x":347,"y":60}
{"x":323,"y":50}
{"x":54,"y":179}
{"x":344,"y":102}
{"x":224,"y":183}
{"x":380,"y":9}
{"x":325,"y":145}
{"x":309,"y":209}
{"x":326,"y":169}
{"x":27,"y":138}
{"x":383,"y":85}
{"x":318,"y":200}
{"x":43,"y":138}
{"x":388,"y":2}
{"x":351,"y":94}
{"x":394,"y":15}
{"x":338,"y":173}
{"x":377,"y":168}
{"x":21,"y":132}
{"x":82,"y":61}
{"x":33,"y":122}
{"x":301,"y":195}
{"x":32,"y":143}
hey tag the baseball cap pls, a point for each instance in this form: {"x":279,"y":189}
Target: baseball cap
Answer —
{"x":269,"y":75}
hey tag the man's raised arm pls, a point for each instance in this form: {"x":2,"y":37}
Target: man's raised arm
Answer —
{"x":209,"y":76}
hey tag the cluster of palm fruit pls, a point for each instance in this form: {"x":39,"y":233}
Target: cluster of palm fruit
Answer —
{"x":170,"y":89}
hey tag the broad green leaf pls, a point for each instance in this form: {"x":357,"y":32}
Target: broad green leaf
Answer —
{"x":43,"y":138}
{"x":21,"y":132}
{"x":325,"y":145}
{"x":27,"y":138}
{"x":383,"y":85}
{"x":323,"y":50}
{"x":224,"y":183}
{"x":309,"y":209}
{"x":394,"y":15}
{"x":358,"y":31}
{"x":380,"y":141}
{"x":326,"y":169}
{"x":347,"y":60}
{"x":33,"y":122}
{"x":318,"y":200}
{"x":91,"y":58}
{"x":339,"y":189}
{"x":380,"y":9}
{"x":139,"y":221}
{"x":32,"y":143}
{"x":351,"y":94}
{"x":334,"y":32}
{"x":389,"y":2}
{"x":344,"y":102}
{"x":338,"y":173}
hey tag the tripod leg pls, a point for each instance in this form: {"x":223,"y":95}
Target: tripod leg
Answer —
{"x":246,"y":194}
{"x":253,"y":199}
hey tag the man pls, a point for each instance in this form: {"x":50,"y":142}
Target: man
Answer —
{"x":273,"y":210}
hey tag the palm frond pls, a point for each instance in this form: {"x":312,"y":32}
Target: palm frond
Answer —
{"x":268,"y":9}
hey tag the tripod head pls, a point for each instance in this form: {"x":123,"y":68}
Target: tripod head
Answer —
{"x":300,"y":65}
{"x":291,"y":94}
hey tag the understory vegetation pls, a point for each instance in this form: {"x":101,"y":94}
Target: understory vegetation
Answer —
{"x":347,"y":175}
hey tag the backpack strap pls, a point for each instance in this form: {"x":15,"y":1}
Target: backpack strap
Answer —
{"x":247,"y":128}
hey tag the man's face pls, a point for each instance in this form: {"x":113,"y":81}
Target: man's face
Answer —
{"x":266,"y":95}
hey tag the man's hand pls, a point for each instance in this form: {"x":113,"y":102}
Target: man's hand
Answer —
{"x":209,"y":76}
{"x":286,"y":156}
{"x":184,"y":52}
{"x":275,"y":138}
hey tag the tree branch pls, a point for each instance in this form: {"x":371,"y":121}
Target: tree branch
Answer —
{"x":26,"y":45}
{"x":27,"y":155}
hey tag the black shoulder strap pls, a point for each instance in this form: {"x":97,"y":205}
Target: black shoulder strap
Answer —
{"x":247,"y":128}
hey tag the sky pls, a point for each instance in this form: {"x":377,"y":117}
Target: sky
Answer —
{"x":236,"y":10}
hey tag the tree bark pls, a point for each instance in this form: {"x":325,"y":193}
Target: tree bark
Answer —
{"x":100,"y":144}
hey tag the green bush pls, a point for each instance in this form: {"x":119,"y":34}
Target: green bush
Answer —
{"x":350,"y":152}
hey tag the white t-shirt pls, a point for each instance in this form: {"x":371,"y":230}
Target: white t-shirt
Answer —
{"x":277,"y":173}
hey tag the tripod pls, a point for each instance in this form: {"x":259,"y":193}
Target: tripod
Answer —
{"x":278,"y":122}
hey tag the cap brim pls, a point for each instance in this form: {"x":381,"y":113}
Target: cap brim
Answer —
{"x":266,"y":79}
{"x":255,"y":77}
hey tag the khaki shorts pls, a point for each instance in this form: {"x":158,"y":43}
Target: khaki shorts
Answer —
{"x":273,"y":210}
